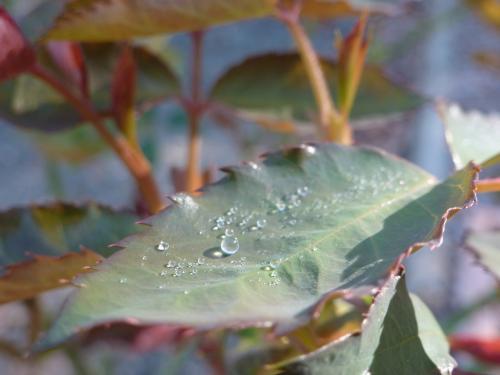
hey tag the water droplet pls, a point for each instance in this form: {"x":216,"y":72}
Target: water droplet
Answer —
{"x":123,"y":280}
{"x":281,"y":206}
{"x":161,"y":286}
{"x":230,"y":245}
{"x":303,"y":191}
{"x":253,"y":165}
{"x":311,"y":150}
{"x":268,"y":267}
{"x":261,"y":223}
{"x":273,"y":273}
{"x":162,"y":246}
{"x":144,"y":257}
{"x":215,"y":227}
{"x":200,"y":261}
{"x":253,"y":228}
{"x":163,"y":273}
{"x":229,"y":232}
{"x":315,"y":249}
{"x":171,"y":264}
{"x":220,"y":222}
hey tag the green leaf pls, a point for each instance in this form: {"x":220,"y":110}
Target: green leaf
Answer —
{"x":486,"y":247}
{"x":103,"y":20}
{"x":39,"y":244}
{"x":400,"y":336}
{"x":471,"y":136}
{"x":277,"y":85}
{"x":308,"y":220}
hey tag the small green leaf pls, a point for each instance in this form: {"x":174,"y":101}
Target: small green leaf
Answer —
{"x":471,"y":136}
{"x":277,"y":85}
{"x":103,"y":20}
{"x":302,"y":223}
{"x":400,"y":336}
{"x":486,"y":246}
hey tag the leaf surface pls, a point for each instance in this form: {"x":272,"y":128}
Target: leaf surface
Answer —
{"x":39,"y":245}
{"x":104,"y":20}
{"x":307,"y":221}
{"x":486,"y":246}
{"x":471,"y":136}
{"x":277,"y":85}
{"x":400,"y":336}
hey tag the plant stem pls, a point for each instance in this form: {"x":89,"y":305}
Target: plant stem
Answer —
{"x":35,"y":319}
{"x":133,"y":159}
{"x":194,"y":111}
{"x":488,"y":185}
{"x":331,"y":126}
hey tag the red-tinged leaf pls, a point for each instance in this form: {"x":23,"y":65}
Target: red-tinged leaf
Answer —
{"x":16,"y":55}
{"x":43,"y":273}
{"x":69,"y":59}
{"x":484,"y":349}
{"x":123,"y":87}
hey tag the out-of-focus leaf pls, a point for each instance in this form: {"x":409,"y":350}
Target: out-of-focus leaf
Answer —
{"x":29,"y":104}
{"x":400,"y":336}
{"x":471,"y":136}
{"x":305,"y":221}
{"x":75,"y":145}
{"x":488,"y":9}
{"x":490,"y":60}
{"x":58,"y":228}
{"x":277,"y":85}
{"x":16,"y":54}
{"x":69,"y":62}
{"x":486,"y":246}
{"x":43,"y":241}
{"x":43,"y":273}
{"x":36,"y":22}
{"x":155,"y":79}
{"x":484,"y":349}
{"x":102,"y":20}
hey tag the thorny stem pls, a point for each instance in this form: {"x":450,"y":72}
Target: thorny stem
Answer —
{"x":133,"y":158}
{"x":194,"y":111}
{"x":331,"y":126}
{"x":488,"y":185}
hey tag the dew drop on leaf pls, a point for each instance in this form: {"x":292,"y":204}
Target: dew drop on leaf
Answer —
{"x":229,"y":245}
{"x":162,"y":246}
{"x":229,"y":232}
{"x":123,"y":280}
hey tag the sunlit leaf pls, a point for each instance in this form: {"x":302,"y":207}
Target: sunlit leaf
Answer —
{"x":302,"y":223}
{"x":16,"y":54}
{"x":38,"y":239}
{"x":103,"y":20}
{"x":400,"y":336}
{"x":277,"y":85}
{"x":486,"y":246}
{"x":472,"y":136}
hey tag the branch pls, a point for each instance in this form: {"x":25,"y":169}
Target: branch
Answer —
{"x":133,"y":159}
{"x":489,"y":185}
{"x":194,"y":109}
{"x":331,"y":125}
